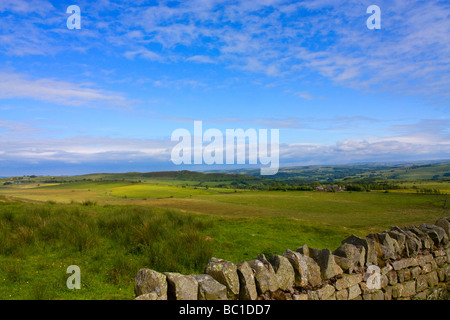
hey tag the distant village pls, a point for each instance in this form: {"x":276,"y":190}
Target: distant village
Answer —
{"x":331,"y":189}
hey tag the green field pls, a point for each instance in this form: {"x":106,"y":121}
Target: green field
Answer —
{"x":111,"y":229}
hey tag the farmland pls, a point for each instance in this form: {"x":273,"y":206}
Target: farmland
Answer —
{"x":111,"y":225}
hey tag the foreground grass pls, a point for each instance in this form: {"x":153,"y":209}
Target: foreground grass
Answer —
{"x":111,"y":243}
{"x":39,"y":241}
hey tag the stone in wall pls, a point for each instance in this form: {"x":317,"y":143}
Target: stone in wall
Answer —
{"x":225,"y":272}
{"x":149,"y":281}
{"x":327,"y":292}
{"x":284,"y":271}
{"x":368,"y":244}
{"x":181,"y":287}
{"x":385,"y":246}
{"x":348,"y":281}
{"x":444,"y":223}
{"x":247,"y":286}
{"x":306,"y":270}
{"x":209,"y":288}
{"x":350,"y":257}
{"x":265,"y":277}
{"x":325,"y":259}
{"x":148,"y":296}
{"x":437,"y":234}
{"x":401,"y":239}
{"x":427,"y":242}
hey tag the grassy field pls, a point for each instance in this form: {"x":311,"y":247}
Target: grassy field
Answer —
{"x":112,"y":229}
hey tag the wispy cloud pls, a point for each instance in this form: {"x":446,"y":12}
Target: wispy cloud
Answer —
{"x":14,"y":85}
{"x":275,"y":38}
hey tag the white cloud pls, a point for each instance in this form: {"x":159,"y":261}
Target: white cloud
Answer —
{"x":201,"y":59}
{"x":144,"y":53}
{"x":14,"y":85}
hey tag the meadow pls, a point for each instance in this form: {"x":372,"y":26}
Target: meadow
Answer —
{"x":111,"y":229}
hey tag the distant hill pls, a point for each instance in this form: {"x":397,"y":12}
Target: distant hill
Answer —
{"x":431,"y":170}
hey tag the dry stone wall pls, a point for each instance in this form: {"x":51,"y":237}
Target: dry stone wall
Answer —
{"x":411,"y":262}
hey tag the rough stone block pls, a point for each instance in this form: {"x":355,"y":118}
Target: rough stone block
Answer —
{"x":325,"y":259}
{"x":265,"y":277}
{"x":209,"y":288}
{"x":306,"y":270}
{"x":323,"y":293}
{"x":247,"y":286}
{"x":421,"y":283}
{"x":432,"y":278}
{"x":348,"y":281}
{"x":225,"y":272}
{"x":148,"y":281}
{"x":284,"y":271}
{"x":342,"y":294}
{"x":392,"y":277}
{"x":369,"y":246}
{"x":181,"y":287}
{"x":354,"y":292}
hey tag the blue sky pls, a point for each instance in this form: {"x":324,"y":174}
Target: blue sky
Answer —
{"x":107,"y":97}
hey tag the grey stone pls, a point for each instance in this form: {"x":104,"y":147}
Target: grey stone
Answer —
{"x":148,"y":296}
{"x":427,"y":242}
{"x":424,"y":259}
{"x":397,"y":290}
{"x":444,"y":224}
{"x":284,"y":271}
{"x":181,"y":287}
{"x":401,"y":239}
{"x":432,"y":278}
{"x":437,"y":234}
{"x":369,"y":246}
{"x":349,"y":257}
{"x":404,"y":290}
{"x":301,"y":296}
{"x":265,"y":277}
{"x":392,"y":277}
{"x":325,"y":259}
{"x":421,"y":295}
{"x":324,"y":293}
{"x":247,"y":286}
{"x":409,"y":289}
{"x":441,"y":274}
{"x":384,"y":281}
{"x":384,"y":245}
{"x":377,"y":295}
{"x":342,"y":294}
{"x":348,"y":281}
{"x":387,"y":293}
{"x":412,"y":244}
{"x":346,"y":265}
{"x":354,"y":292}
{"x":209,"y":288}
{"x":421,"y":283}
{"x":148,"y":281}
{"x":405,"y":263}
{"x":415,"y":272}
{"x":306,"y":270}
{"x":441,"y":261}
{"x":225,"y":272}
